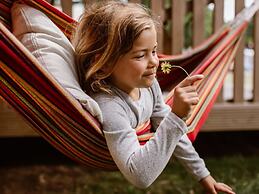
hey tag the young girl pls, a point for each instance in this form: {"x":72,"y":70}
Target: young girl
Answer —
{"x":115,"y":46}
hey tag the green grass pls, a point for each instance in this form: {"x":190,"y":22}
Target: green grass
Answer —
{"x":239,"y":172}
{"x":34,"y":168}
{"x":242,"y":173}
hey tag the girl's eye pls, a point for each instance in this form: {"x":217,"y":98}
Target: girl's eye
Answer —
{"x":154,"y":52}
{"x":139,"y":56}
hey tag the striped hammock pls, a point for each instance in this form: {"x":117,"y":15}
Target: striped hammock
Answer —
{"x":62,"y":121}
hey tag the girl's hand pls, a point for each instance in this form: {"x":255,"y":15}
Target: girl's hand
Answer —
{"x":213,"y":187}
{"x":185,"y":96}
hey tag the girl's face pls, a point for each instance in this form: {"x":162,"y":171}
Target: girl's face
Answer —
{"x":137,"y":68}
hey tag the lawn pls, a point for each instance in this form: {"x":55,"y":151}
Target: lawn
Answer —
{"x":233,"y":161}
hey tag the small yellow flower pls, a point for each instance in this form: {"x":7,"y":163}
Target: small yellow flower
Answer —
{"x":166,"y":67}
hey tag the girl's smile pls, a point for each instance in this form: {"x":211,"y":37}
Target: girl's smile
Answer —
{"x":151,"y":73}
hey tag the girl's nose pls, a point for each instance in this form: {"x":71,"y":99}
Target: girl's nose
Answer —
{"x":154,"y":60}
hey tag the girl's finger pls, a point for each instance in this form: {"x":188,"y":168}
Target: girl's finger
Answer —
{"x":224,"y":188}
{"x":190,"y":80}
{"x":194,"y":101}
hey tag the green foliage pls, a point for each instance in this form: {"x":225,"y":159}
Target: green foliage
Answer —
{"x":146,"y":3}
{"x":188,"y":30}
{"x":249,"y":40}
{"x":188,"y":26}
{"x":208,"y":22}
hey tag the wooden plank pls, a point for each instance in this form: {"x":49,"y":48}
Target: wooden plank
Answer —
{"x":218,"y":16}
{"x":233,"y":117}
{"x":223,"y":117}
{"x":12,"y":124}
{"x":158,"y":9}
{"x":67,"y":6}
{"x":218,"y":21}
{"x":198,"y":21}
{"x":239,"y":63}
{"x":177,"y":18}
{"x":256,"y":57}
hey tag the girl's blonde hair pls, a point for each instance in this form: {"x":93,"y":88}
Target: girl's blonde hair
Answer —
{"x":105,"y":32}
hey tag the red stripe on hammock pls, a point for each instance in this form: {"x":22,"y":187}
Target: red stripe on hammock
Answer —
{"x":42,"y":84}
{"x":38,"y":124}
{"x":192,"y":135}
{"x":222,"y":47}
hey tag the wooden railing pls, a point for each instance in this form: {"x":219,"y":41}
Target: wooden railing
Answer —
{"x":236,"y":113}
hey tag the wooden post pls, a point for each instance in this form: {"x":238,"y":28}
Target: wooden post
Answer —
{"x":177,"y":18}
{"x":239,"y":63}
{"x":198,"y":21}
{"x":67,"y":6}
{"x":158,"y":9}
{"x":218,"y":21}
{"x":256,"y":57}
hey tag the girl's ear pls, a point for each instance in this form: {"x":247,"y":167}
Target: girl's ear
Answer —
{"x":97,"y":57}
{"x":104,"y":69}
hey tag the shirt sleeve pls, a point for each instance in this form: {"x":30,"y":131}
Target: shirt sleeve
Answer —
{"x":186,"y":154}
{"x":184,"y":151}
{"x":140,"y":165}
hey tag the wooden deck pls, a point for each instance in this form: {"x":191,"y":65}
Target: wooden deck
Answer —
{"x":223,"y":117}
{"x":227,"y":115}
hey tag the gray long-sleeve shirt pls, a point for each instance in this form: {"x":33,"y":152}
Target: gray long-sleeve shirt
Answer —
{"x":141,"y":165}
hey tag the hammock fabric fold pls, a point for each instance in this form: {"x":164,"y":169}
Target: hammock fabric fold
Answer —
{"x":62,"y":121}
